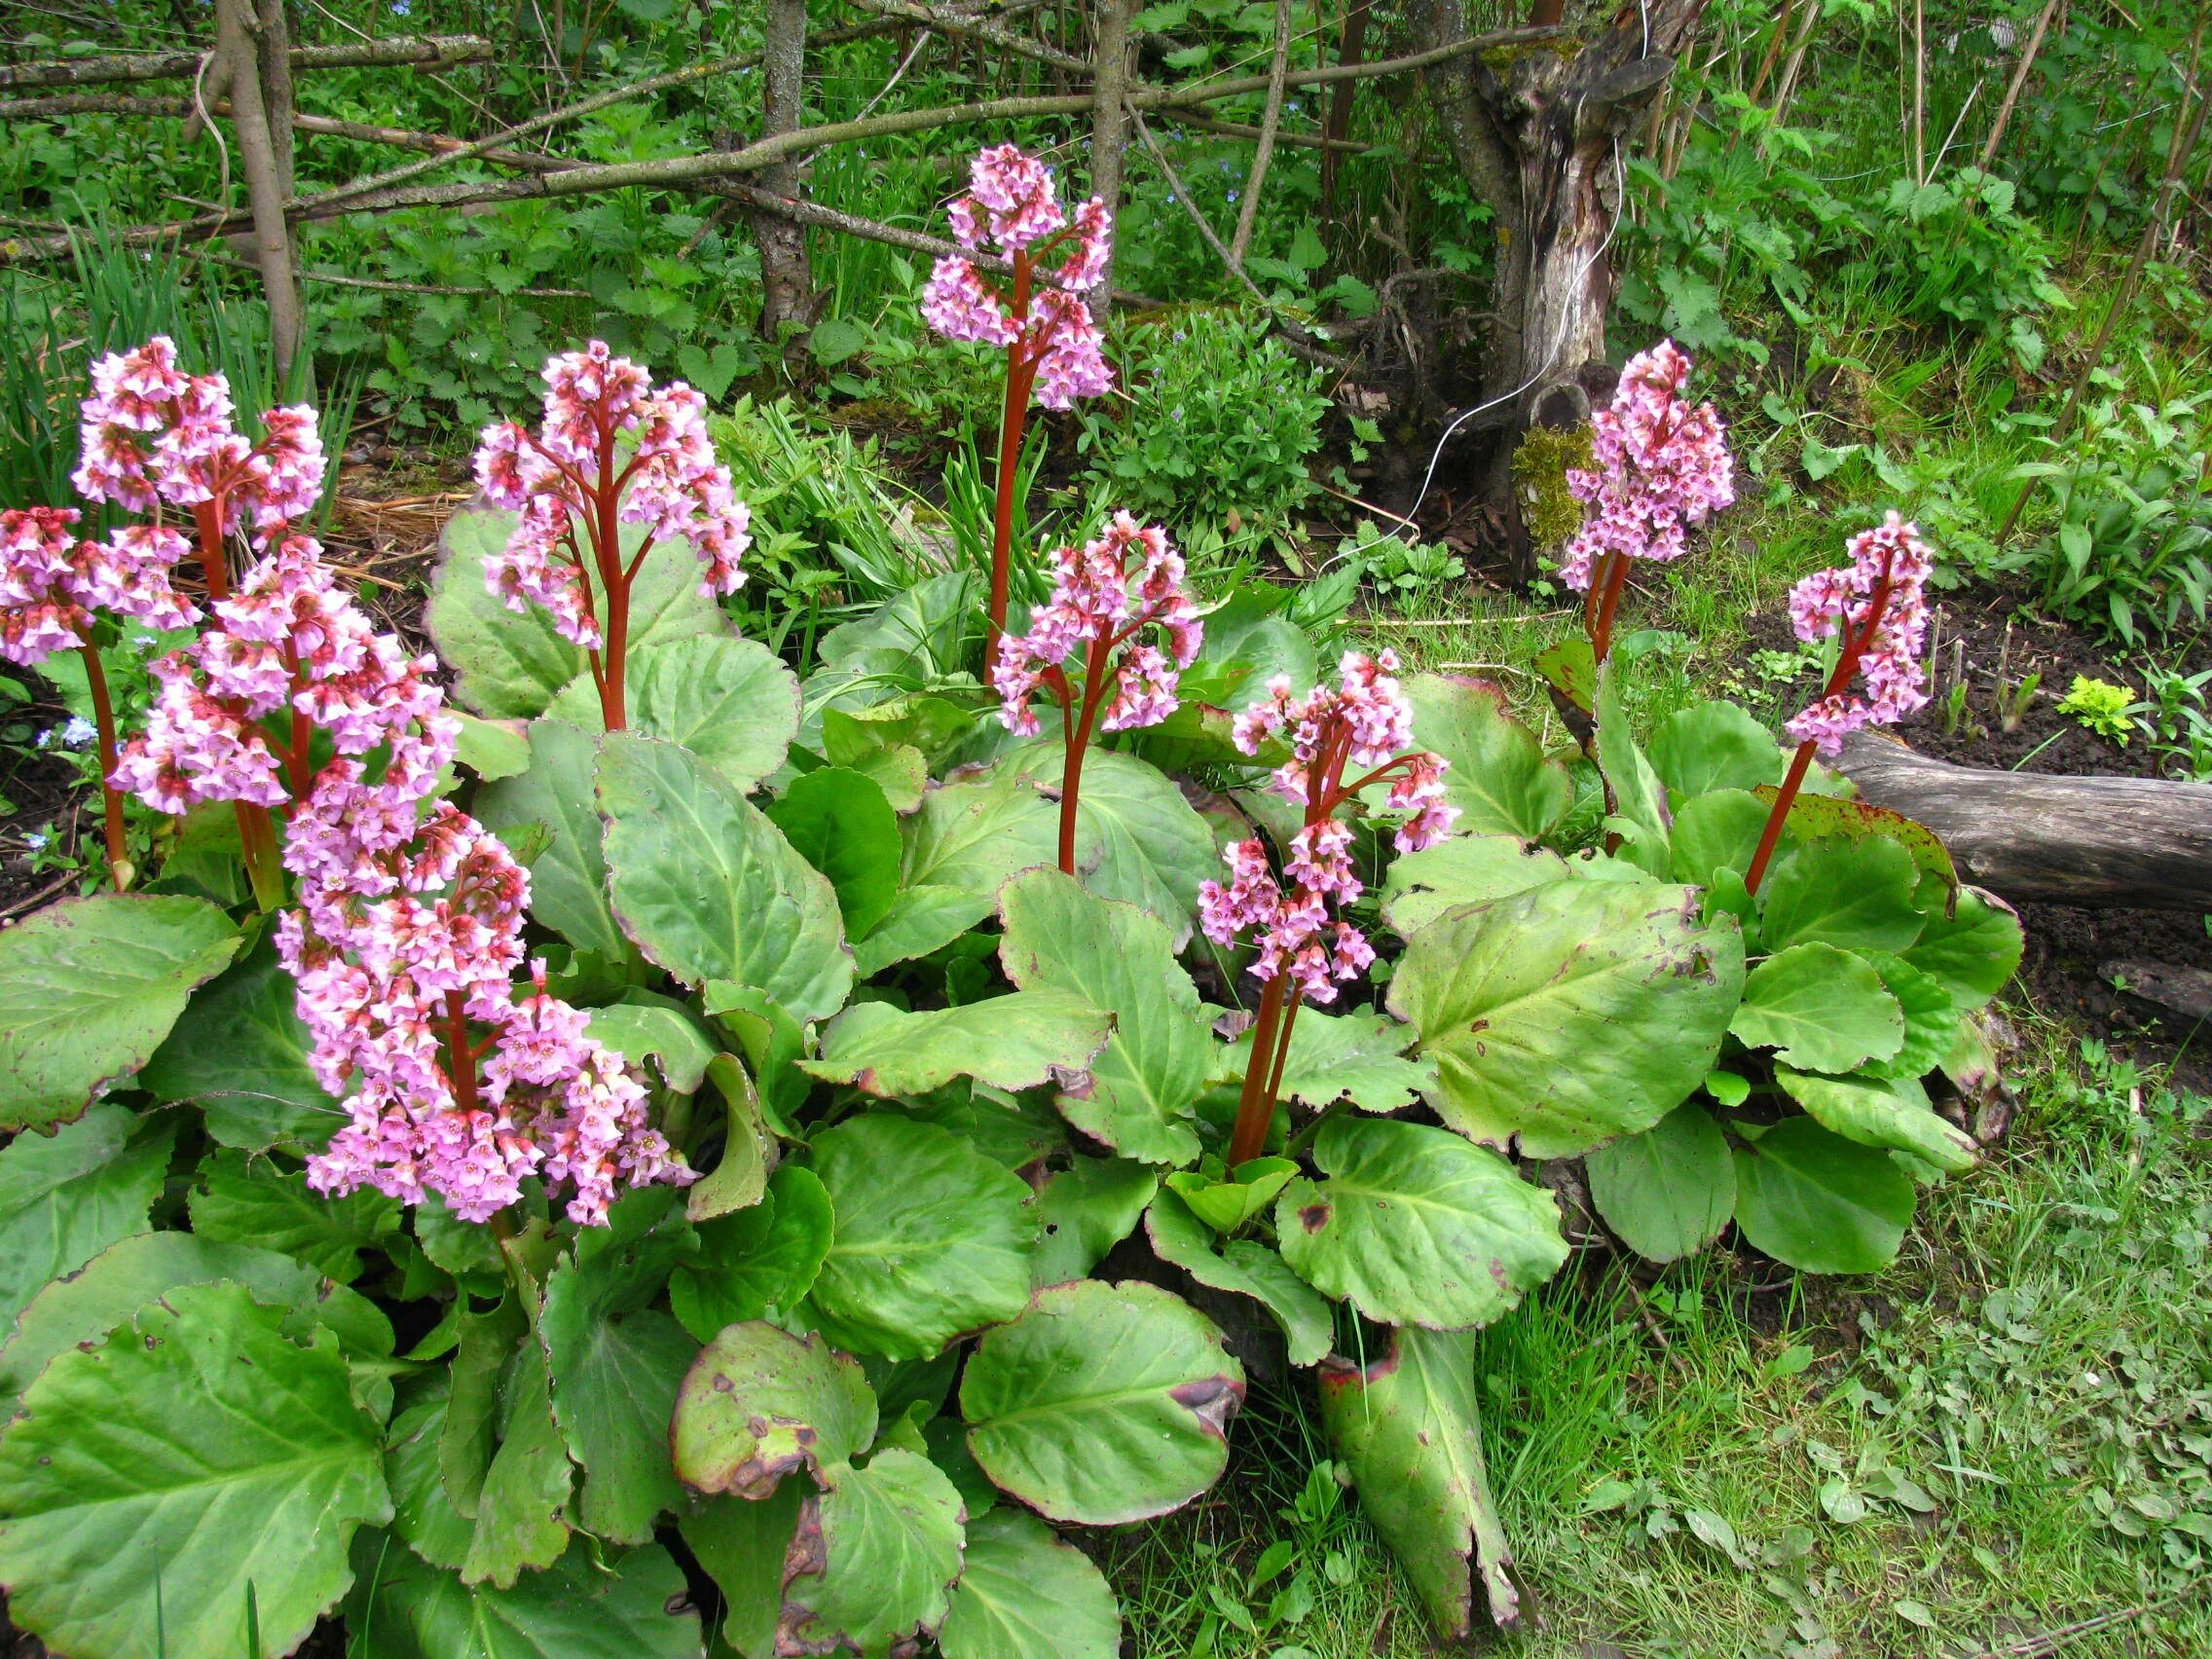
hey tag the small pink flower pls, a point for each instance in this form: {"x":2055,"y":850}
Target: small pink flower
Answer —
{"x":1892,"y":564}
{"x":1659,"y":464}
{"x":52,"y":582}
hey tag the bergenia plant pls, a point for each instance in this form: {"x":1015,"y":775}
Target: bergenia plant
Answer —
{"x":1876,"y":608}
{"x":612,"y":450}
{"x":55,"y":585}
{"x":291,"y":686}
{"x":1108,"y":598}
{"x":1054,"y":349}
{"x":1661,"y":465}
{"x":1303,"y":953}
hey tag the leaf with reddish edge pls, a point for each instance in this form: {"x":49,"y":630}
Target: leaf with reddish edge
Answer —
{"x":1824,"y":817}
{"x":1499,"y":778}
{"x":1409,"y":1429}
{"x":759,"y":1403}
{"x":1102,"y":1403}
{"x":1242,"y":1266}
{"x":1570,"y":669}
{"x":1026,"y":1593}
{"x":873,"y":1559}
{"x":1013,"y":1042}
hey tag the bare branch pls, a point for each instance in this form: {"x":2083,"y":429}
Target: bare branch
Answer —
{"x":400,"y":50}
{"x":1271,"y":119}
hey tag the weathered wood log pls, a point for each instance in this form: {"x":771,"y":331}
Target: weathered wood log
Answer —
{"x":2136,"y":843}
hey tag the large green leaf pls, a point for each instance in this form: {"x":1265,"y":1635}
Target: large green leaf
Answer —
{"x":1026,"y":1594}
{"x":423,"y":1513}
{"x":245,"y":1201}
{"x":1817,"y":1202}
{"x":1715,"y":746}
{"x":1137,"y":839}
{"x":1415,"y":1227}
{"x":1242,"y":1266}
{"x":1085,"y":1210}
{"x":1410,"y":1432}
{"x":1881,"y":1112}
{"x":1138,"y":1095}
{"x":668,"y":1033}
{"x":1821,"y":1007}
{"x":1853,"y":894}
{"x":921,"y":919}
{"x":617,"y":1362}
{"x":1669,"y":1190}
{"x":757,"y":1260}
{"x":1017,"y":1041}
{"x":1972,"y":953}
{"x":759,"y":1403}
{"x":708,"y":888}
{"x":156,"y":1478}
{"x":1639,"y":816}
{"x":1499,"y":778}
{"x":975,"y":833}
{"x":586,"y":1605}
{"x":1336,"y":1056}
{"x":240,"y":1052}
{"x":522,"y":1508}
{"x":510,"y":664}
{"x":1462,"y":869}
{"x":743,"y":1544}
{"x":1931,"y":1016}
{"x":67,"y":1197}
{"x":568,"y":882}
{"x":728,"y":700}
{"x":932,"y":1240}
{"x":1716,"y":831}
{"x":842,"y":823}
{"x":1567,"y":1015}
{"x":880,"y":1557}
{"x":80,"y":1310}
{"x":88,"y":988}
{"x":1102,"y":1403}
{"x":912,"y":641}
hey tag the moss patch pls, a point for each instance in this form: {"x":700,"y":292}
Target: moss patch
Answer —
{"x":1540,"y":467}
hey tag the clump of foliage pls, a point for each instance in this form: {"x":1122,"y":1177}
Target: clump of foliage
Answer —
{"x":2101,"y":707}
{"x":1217,"y":436}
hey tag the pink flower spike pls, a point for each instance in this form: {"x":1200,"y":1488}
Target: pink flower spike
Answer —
{"x":1878,"y":605}
{"x":1659,"y":464}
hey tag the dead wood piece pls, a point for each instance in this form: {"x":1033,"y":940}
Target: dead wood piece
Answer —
{"x":400,"y":52}
{"x":2184,"y":993}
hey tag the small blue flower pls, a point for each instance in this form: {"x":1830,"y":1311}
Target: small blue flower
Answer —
{"x":37,"y":839}
{"x":44,"y":738}
{"x":78,"y":732}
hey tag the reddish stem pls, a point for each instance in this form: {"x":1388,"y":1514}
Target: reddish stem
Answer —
{"x":1019,"y":377}
{"x":460,"y":1058}
{"x":111,"y":801}
{"x":1078,"y":741}
{"x":214,"y":563}
{"x":1616,"y":579}
{"x":1254,"y":1105}
{"x":606,"y":548}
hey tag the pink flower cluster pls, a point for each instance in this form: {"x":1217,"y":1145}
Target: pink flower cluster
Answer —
{"x":1366,"y":721}
{"x":155,"y":435}
{"x":572,"y":467}
{"x":51,"y":582}
{"x":1661,"y":465}
{"x":1101,"y":605}
{"x":1878,"y":605}
{"x":1011,"y":203}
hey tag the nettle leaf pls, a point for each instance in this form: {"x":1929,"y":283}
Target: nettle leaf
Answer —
{"x":1931,"y":1016}
{"x":876,"y":1558}
{"x":617,"y":1361}
{"x":1102,"y":1403}
{"x":743,"y":1544}
{"x":1823,"y":1008}
{"x":842,"y":823}
{"x":1085,"y":1210}
{"x":510,"y":665}
{"x":708,"y":888}
{"x":1499,"y":778}
{"x":66,"y":1198}
{"x":567,"y":881}
{"x":1668,"y":1191}
{"x":1410,"y":1432}
{"x":157,"y":1477}
{"x":759,"y":1403}
{"x":932,"y":1240}
{"x":1137,"y":839}
{"x":1332,"y":1055}
{"x":972,"y":834}
{"x":586,"y":1605}
{"x":1138,"y":1096}
{"x":1715,"y":746}
{"x":1462,"y":869}
{"x":1024,"y":1592}
{"x":244,"y":1200}
{"x":1854,"y":894}
{"x":240,"y":1052}
{"x":1881,"y":1112}
{"x":1718,"y":830}
{"x":757,"y":1260}
{"x":1815,"y":1202}
{"x":1414,"y":1226}
{"x":1973,"y":954}
{"x":1242,"y":1266}
{"x":1017,"y":1041}
{"x":1561,"y":1016}
{"x":88,"y":988}
{"x":78,"y":1310}
{"x":919,"y":920}
{"x":728,"y":700}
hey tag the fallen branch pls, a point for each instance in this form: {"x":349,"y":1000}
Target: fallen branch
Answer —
{"x":382,"y":285}
{"x":399,"y":51}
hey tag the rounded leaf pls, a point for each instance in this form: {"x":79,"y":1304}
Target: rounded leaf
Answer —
{"x":1462,"y":869}
{"x":589,"y":1605}
{"x":872,"y":1562}
{"x":1026,"y":1594}
{"x":728,"y":700}
{"x":1823,"y":1008}
{"x":1013,"y":1042}
{"x":1819,"y":1202}
{"x":1715,"y":746}
{"x":66,"y":1198}
{"x":759,"y":1402}
{"x":1499,"y":778}
{"x":568,"y":880}
{"x":1670,"y":1190}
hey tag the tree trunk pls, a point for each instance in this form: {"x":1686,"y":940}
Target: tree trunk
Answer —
{"x":1110,"y":124}
{"x":276,"y":31}
{"x":1538,"y":133}
{"x":786,"y":285}
{"x":234,"y":28}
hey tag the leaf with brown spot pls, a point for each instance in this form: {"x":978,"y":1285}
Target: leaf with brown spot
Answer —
{"x":759,"y":1403}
